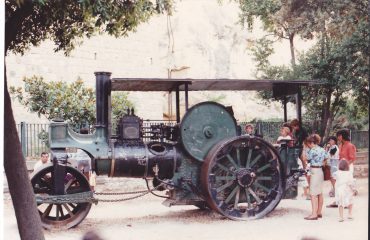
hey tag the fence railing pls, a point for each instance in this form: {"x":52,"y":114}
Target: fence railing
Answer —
{"x":360,"y":139}
{"x":33,"y":136}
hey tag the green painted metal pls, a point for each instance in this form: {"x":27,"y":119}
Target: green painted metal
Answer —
{"x":96,"y":144}
{"x":67,"y":198}
{"x":187,"y":180}
{"x":203,"y":126}
{"x":289,"y":158}
{"x":23,"y":139}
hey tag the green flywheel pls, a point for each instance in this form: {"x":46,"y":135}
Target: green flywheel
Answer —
{"x":203,"y":126}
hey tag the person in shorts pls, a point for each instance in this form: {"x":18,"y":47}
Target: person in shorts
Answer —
{"x":333,"y":150}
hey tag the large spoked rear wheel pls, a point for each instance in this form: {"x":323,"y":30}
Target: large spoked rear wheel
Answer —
{"x":66,"y":215}
{"x":242,"y":178}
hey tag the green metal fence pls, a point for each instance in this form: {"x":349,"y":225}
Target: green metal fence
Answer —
{"x":33,"y":135}
{"x":360,"y":139}
{"x":32,"y":138}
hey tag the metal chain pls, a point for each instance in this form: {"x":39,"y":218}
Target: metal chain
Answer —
{"x":123,"y":199}
{"x":83,"y":197}
{"x":121,"y":193}
{"x":143,"y":193}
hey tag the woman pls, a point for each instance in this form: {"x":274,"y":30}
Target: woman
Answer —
{"x":317,"y":157}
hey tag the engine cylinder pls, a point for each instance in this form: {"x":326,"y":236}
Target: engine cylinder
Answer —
{"x":142,"y":160}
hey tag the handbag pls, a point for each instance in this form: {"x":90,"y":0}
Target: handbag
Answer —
{"x":326,"y":171}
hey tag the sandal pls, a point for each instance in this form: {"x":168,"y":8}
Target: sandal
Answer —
{"x":333,"y":205}
{"x":319,"y":215}
{"x":341,"y":220}
{"x":310,"y":218}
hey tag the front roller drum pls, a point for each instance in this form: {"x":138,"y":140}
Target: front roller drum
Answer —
{"x":242,"y":178}
{"x":63,"y":215}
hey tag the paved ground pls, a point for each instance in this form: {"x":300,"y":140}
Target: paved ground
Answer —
{"x":147,"y":218}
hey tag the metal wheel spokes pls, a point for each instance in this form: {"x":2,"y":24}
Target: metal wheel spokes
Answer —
{"x":64,"y":215}
{"x":242,"y":179}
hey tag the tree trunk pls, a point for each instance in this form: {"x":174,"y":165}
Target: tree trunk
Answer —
{"x":292,"y":54}
{"x":326,"y":114}
{"x":328,"y":128}
{"x":28,"y":219}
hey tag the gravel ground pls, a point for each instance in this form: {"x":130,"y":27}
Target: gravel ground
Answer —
{"x":147,"y":218}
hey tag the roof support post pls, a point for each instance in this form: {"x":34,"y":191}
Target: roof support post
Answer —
{"x":177,"y":104}
{"x":186,"y":97}
{"x":299,"y":104}
{"x":285,"y":109}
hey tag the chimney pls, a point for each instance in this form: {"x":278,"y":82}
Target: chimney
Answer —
{"x":102,"y":92}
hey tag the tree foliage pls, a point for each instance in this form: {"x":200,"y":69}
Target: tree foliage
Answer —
{"x":341,"y":67}
{"x":286,"y":19}
{"x":29,"y":22}
{"x":72,"y":102}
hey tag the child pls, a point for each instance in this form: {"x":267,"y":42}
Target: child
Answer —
{"x":333,"y":151}
{"x":344,"y":186}
{"x":284,"y":135}
{"x":248,"y":129}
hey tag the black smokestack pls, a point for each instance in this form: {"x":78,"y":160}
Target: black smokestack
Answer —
{"x":102,"y":92}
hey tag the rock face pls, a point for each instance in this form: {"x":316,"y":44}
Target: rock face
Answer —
{"x":203,"y":38}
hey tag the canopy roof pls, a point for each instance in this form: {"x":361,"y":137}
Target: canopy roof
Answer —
{"x":279,"y":87}
{"x":168,"y":85}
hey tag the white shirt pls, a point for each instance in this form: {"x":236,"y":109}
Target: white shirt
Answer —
{"x":39,"y":164}
{"x":284,"y":138}
{"x":336,"y":154}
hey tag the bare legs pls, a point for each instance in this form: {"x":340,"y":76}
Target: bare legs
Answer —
{"x":332,"y":191}
{"x":314,"y":204}
{"x":341,"y":212}
{"x":320,"y":201}
{"x":317,"y":202}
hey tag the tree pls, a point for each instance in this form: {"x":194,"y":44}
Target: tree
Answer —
{"x":286,"y":19}
{"x":339,"y":60}
{"x":73,"y":102}
{"x":340,"y":66}
{"x":28,"y":23}
{"x":282,"y":19}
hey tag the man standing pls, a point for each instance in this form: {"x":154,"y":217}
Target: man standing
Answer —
{"x":43,"y":160}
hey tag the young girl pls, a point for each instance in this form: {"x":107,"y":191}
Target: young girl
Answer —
{"x":344,"y":186}
{"x":284,"y":135}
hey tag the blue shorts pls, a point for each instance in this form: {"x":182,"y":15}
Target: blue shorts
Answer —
{"x":333,"y":166}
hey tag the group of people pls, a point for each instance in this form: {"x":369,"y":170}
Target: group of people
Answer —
{"x":339,"y":153}
{"x":314,"y":158}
